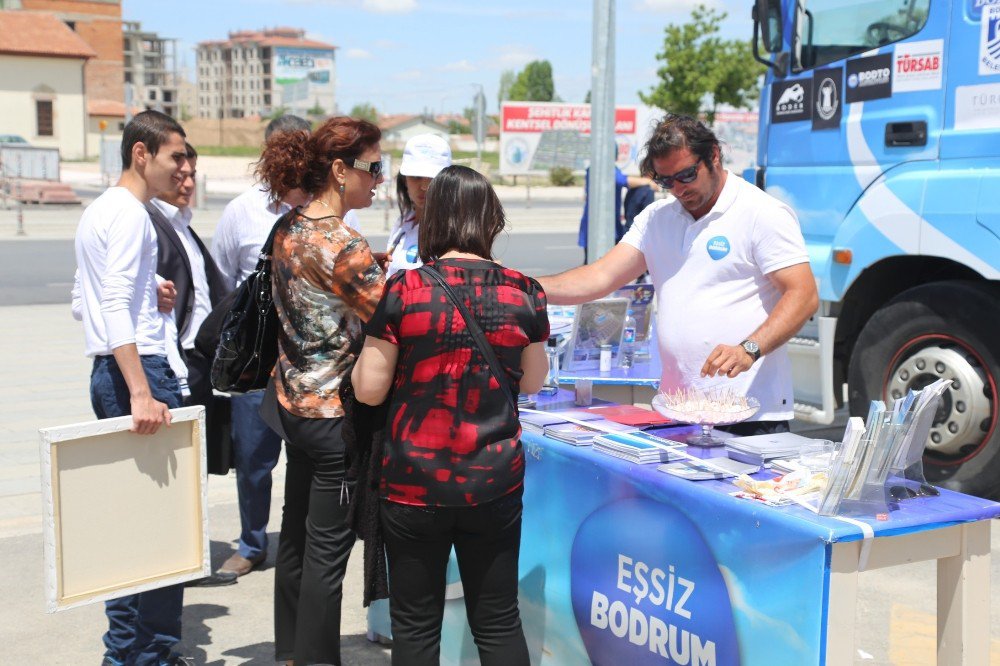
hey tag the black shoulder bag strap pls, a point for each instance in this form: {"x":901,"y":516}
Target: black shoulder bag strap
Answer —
{"x":476,"y":331}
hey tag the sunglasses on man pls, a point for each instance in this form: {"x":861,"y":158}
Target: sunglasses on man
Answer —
{"x":684,"y":176}
{"x":374,"y":168}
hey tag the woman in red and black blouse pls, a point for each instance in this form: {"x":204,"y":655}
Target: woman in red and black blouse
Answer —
{"x":454,"y":468}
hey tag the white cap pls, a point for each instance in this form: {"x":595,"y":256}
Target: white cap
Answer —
{"x":425,"y":155}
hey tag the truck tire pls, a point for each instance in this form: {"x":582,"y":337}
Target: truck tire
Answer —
{"x":942,"y":329}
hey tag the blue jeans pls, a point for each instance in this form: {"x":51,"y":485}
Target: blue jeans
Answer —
{"x":142,"y":628}
{"x":255,"y":453}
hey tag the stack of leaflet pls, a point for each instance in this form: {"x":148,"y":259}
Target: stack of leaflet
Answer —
{"x":583,"y":434}
{"x":525,"y":401}
{"x":638,"y":447}
{"x":536,"y":422}
{"x":759,"y":449}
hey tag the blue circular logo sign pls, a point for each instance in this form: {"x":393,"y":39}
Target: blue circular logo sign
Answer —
{"x":852,"y":81}
{"x":718,"y":247}
{"x":651,"y":595}
{"x":411,"y":254}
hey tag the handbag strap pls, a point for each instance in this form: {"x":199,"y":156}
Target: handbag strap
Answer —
{"x":476,"y":331}
{"x":268,"y":246}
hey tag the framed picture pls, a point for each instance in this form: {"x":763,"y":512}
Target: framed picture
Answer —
{"x":123,"y":513}
{"x":595,"y":324}
{"x":641,"y":301}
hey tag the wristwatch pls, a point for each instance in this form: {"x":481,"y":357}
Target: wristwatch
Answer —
{"x":752,"y":348}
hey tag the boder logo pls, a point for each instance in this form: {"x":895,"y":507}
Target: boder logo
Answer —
{"x":791,"y":100}
{"x":828,"y":104}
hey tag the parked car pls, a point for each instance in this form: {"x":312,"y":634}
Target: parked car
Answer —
{"x":13,"y":138}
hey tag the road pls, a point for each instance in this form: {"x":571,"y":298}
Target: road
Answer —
{"x":35,"y":272}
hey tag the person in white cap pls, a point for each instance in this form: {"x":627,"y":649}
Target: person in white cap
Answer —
{"x":423,"y":158}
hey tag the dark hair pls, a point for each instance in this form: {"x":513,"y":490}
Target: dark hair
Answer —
{"x":286,"y":123}
{"x":189,"y":151}
{"x":403,"y":199}
{"x":462,"y":213}
{"x":675,"y":132}
{"x":150,"y":128}
{"x":298,"y":159}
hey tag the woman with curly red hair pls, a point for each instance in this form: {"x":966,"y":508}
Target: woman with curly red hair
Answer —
{"x":325,"y":283}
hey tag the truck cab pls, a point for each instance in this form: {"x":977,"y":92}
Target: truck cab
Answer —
{"x":880,"y":127}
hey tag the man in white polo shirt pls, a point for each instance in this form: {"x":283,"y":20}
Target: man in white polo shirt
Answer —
{"x":730,"y":270}
{"x":124,"y":333}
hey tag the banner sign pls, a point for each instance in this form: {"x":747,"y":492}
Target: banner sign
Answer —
{"x":294,"y":65}
{"x":617,"y":569}
{"x":537,"y":136}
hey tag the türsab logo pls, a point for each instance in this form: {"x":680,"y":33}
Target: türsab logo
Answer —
{"x":918,"y":66}
{"x":791,"y":100}
{"x":869,"y":78}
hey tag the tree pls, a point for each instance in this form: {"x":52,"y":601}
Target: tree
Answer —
{"x":506,"y":81}
{"x":534,"y":83}
{"x":364,"y":111}
{"x":277,"y":112}
{"x":316,"y":110}
{"x":700,"y":71}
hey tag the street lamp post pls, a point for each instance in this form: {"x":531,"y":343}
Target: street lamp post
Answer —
{"x":600,"y":191}
{"x":479,"y":128}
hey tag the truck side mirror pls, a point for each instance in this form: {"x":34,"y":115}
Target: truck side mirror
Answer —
{"x":767,"y":14}
{"x":767,"y":28}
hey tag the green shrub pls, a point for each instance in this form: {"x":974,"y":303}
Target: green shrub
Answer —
{"x":561,"y":176}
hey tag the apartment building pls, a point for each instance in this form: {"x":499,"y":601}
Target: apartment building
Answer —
{"x":253,"y":73}
{"x":150,"y":69}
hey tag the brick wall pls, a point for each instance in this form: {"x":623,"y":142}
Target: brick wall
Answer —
{"x":99,"y":23}
{"x":91,"y":7}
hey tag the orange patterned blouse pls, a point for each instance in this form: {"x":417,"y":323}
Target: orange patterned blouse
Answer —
{"x":326,"y":284}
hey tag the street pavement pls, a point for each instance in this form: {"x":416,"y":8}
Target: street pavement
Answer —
{"x":47,"y":384}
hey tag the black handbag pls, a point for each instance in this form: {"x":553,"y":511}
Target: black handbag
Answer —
{"x":248,"y":340}
{"x":476,"y":331}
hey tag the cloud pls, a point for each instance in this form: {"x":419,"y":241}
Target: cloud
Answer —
{"x":357,"y":54}
{"x":386,"y":44}
{"x":408,"y":75}
{"x":389,"y":6}
{"x":513,"y":56}
{"x":459,"y":66}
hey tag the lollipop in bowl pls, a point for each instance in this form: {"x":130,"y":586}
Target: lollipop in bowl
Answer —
{"x":706,"y":409}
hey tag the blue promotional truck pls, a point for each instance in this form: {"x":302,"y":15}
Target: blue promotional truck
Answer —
{"x":880,"y":127}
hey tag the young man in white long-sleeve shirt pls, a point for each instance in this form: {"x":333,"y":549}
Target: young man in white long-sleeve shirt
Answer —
{"x":124,"y":333}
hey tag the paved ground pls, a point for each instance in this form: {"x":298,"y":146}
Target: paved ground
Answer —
{"x":46,"y":384}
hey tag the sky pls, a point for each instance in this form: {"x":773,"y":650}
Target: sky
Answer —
{"x":412,"y":56}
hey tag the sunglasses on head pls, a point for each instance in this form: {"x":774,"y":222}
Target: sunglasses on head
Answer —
{"x":683,"y":176}
{"x":374,"y":168}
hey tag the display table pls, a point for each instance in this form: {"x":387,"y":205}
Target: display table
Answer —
{"x":622,"y":564}
{"x":625,"y":386}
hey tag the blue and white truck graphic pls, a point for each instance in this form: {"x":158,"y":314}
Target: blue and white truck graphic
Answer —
{"x":880,"y":126}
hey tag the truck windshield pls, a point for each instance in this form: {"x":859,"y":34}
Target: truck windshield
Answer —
{"x":830,"y":30}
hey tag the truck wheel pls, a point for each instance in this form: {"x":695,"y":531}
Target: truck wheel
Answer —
{"x":940,"y":330}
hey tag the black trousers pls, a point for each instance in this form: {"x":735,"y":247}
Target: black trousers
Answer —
{"x":487,"y":539}
{"x":314,"y":545}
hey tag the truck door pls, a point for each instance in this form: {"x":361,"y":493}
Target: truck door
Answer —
{"x":864,"y":96}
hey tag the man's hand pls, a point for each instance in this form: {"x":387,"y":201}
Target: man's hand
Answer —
{"x":166,"y":296}
{"x":383,"y":259}
{"x":148,"y":415}
{"x":728,"y":360}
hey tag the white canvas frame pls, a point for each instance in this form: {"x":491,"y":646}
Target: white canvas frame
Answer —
{"x":162,"y":528}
